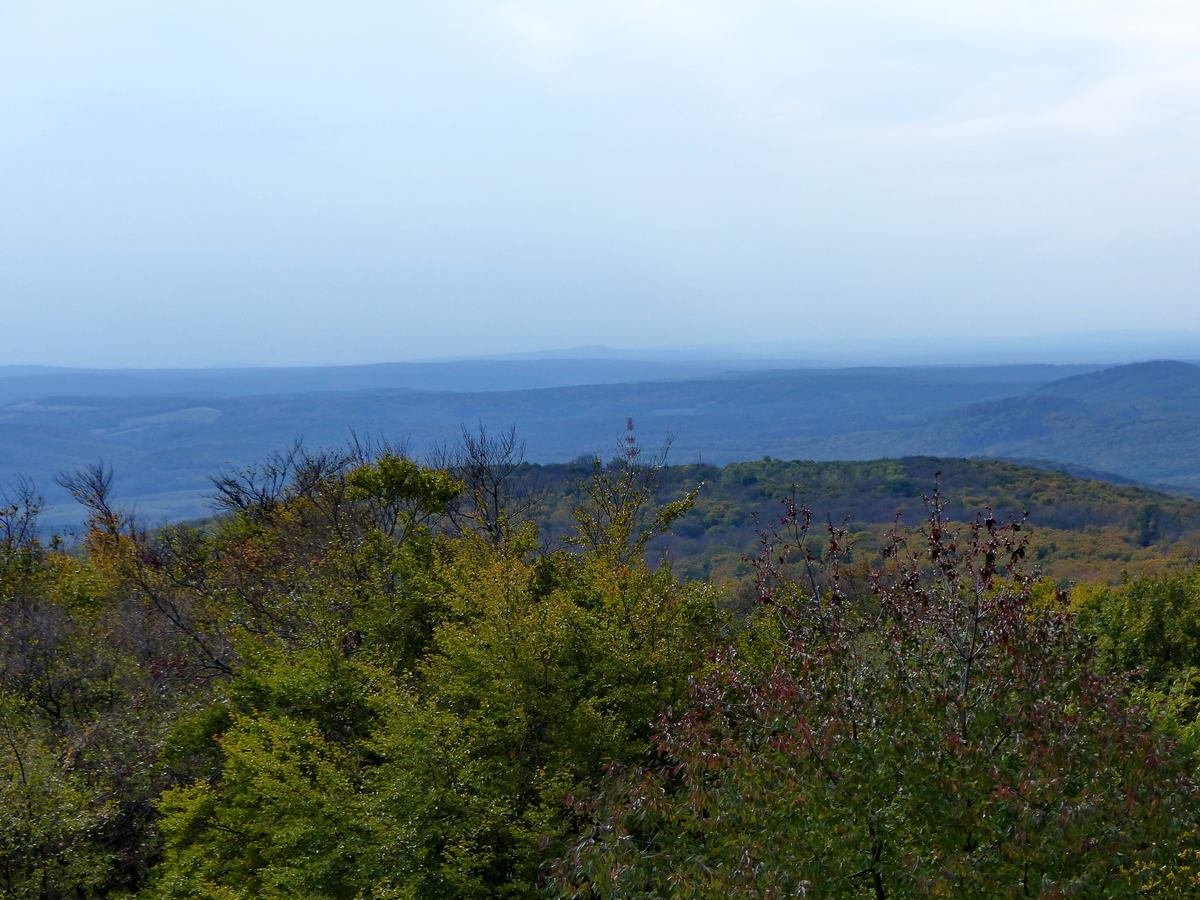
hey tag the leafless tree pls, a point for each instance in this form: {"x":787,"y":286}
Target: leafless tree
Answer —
{"x":144,"y":564}
{"x":91,"y":485}
{"x":496,"y":498}
{"x":20,"y":506}
{"x":295,"y":472}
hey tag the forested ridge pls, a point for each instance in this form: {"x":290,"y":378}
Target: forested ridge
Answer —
{"x":1087,"y":527}
{"x":468,"y":676}
{"x":166,"y":432}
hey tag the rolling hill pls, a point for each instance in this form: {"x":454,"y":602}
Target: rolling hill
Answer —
{"x":1139,"y":422}
{"x":164,"y":446}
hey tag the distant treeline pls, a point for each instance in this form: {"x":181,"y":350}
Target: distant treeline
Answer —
{"x":1138,"y":421}
{"x":1086,"y":527}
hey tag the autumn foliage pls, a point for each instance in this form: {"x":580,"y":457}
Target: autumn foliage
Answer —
{"x":940,"y":728}
{"x":372,"y":677}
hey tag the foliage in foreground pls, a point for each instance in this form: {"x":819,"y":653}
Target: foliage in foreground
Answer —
{"x":370,"y":679}
{"x":945,"y":732}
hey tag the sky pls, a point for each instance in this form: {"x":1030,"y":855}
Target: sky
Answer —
{"x":281,"y":183}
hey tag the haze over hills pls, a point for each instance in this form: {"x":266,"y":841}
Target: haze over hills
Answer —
{"x":1098,"y":348}
{"x":586,"y":365}
{"x":1140,"y":420}
{"x":165,"y":433}
{"x":32,"y":383}
{"x":1072,"y":348}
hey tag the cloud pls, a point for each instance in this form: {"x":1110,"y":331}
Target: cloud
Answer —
{"x":540,"y":38}
{"x":1117,"y":106}
{"x":518,"y":152}
{"x":979,"y":70}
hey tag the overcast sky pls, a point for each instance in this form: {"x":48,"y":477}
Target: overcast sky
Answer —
{"x":294,"y":182}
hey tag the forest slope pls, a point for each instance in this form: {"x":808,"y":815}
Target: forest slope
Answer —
{"x":1140,"y":420}
{"x":1082,"y":526}
{"x":163,"y":447}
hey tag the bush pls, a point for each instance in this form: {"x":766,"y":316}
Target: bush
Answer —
{"x":940,"y":732}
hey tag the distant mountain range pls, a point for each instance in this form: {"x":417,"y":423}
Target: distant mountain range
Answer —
{"x":165,"y":432}
{"x":34,"y":383}
{"x":1141,"y":421}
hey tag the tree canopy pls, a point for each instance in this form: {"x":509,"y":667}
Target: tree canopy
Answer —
{"x":372,"y":677}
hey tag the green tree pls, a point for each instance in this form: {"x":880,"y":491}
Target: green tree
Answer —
{"x":939,"y":733}
{"x":418,"y":732}
{"x":53,"y":819}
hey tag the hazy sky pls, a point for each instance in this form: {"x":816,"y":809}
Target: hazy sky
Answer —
{"x":296,"y":182}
